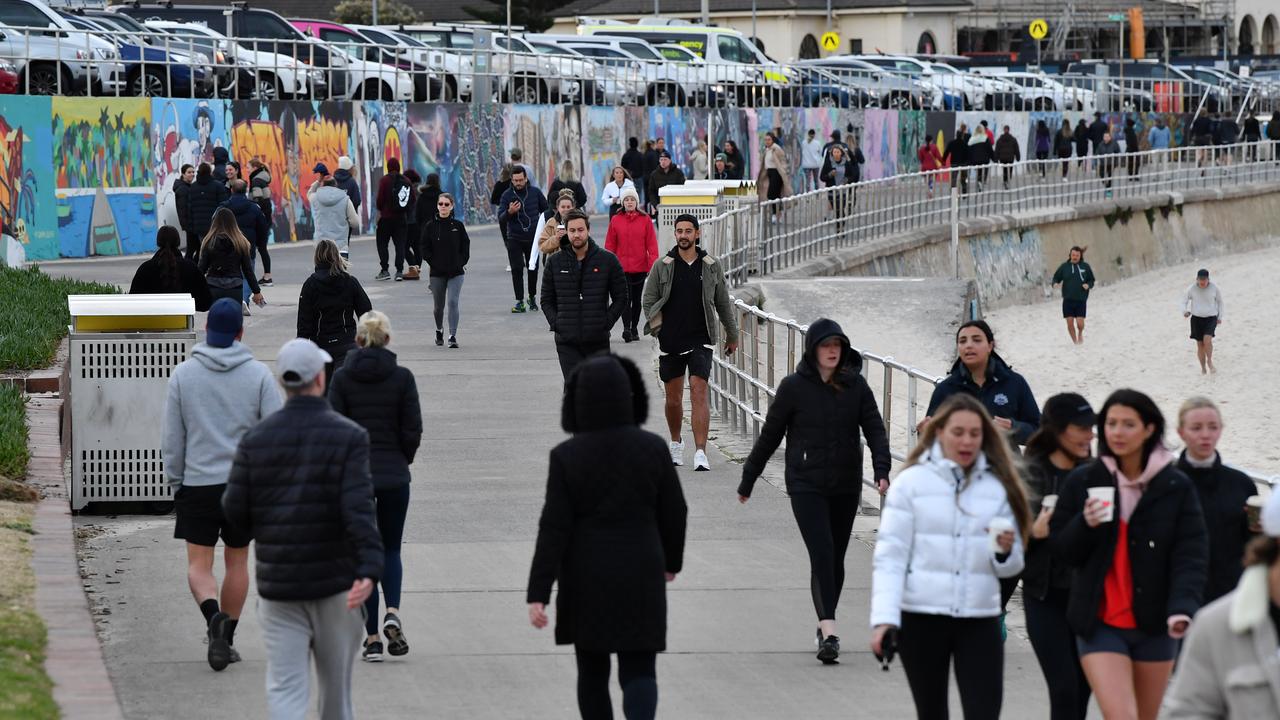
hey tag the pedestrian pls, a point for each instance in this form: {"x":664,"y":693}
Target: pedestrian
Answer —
{"x":1227,"y":135}
{"x":1007,"y":153}
{"x":214,"y":398}
{"x":1130,"y":526}
{"x":517,"y":160}
{"x":568,"y":180}
{"x":412,"y":228}
{"x":345,"y":180}
{"x":333,"y":214}
{"x":1202,"y":302}
{"x":500,"y":186}
{"x":381,"y":396}
{"x":1107,"y":153}
{"x":446,"y":249}
{"x":720,"y":168}
{"x":1252,"y":135}
{"x":1133,"y":161}
{"x":667,"y":173}
{"x":584,"y":292}
{"x":181,"y":186}
{"x":682,"y":299}
{"x":1077,"y":279}
{"x":980,"y":371}
{"x":735,"y":163}
{"x":522,"y":203}
{"x":204,"y":195}
{"x":631,"y":237}
{"x":1062,"y":143}
{"x":811,"y":158}
{"x":330,"y":301}
{"x":1223,"y":492}
{"x":838,"y":171}
{"x":953,"y":525}
{"x":167,"y":271}
{"x":252,"y":223}
{"x":394,"y":202}
{"x":1097,"y":129}
{"x":1273,"y":134}
{"x":981,"y":153}
{"x":225,"y":263}
{"x":1082,"y":142}
{"x":698,"y":164}
{"x":611,"y":196}
{"x":930,"y":158}
{"x":611,"y":535}
{"x":1061,"y":444}
{"x":1159,"y":139}
{"x":221,"y":158}
{"x":428,"y":197}
{"x":552,"y":230}
{"x":823,"y":409}
{"x":956,"y":157}
{"x":651,"y":157}
{"x":260,"y":193}
{"x":633,"y":163}
{"x":835,"y":140}
{"x":1227,"y":667}
{"x":1044,"y":144}
{"x":774,"y":179}
{"x":1201,"y":136}
{"x":300,"y":487}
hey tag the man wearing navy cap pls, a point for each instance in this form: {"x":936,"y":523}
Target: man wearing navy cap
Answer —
{"x":213,"y":399}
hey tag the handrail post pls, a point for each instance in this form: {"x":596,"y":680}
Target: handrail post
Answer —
{"x":955,"y":232}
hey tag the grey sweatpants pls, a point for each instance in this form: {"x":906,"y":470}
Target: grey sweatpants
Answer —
{"x":440,"y":288}
{"x":296,"y":631}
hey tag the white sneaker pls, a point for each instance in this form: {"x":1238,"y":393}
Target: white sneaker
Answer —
{"x":677,"y":453}
{"x":700,"y":461}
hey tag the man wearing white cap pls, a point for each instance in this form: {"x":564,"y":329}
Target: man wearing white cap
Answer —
{"x":300,"y":486}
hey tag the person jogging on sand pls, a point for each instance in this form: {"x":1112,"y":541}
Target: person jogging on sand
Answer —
{"x":1076,"y":278}
{"x":1203,"y":304}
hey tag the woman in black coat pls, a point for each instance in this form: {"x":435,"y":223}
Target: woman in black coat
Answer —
{"x":1082,"y":142}
{"x":371,"y":389}
{"x":1130,"y":525}
{"x":1062,"y":145}
{"x":820,"y":408}
{"x":203,"y":198}
{"x":611,"y":535}
{"x":329,"y":304}
{"x":838,"y":169}
{"x":226,"y":260}
{"x":169,"y":272}
{"x":735,"y":163}
{"x":446,"y":249}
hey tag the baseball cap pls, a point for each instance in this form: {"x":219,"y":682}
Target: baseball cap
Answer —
{"x":223,"y":323}
{"x":299,"y":362}
{"x":1202,"y":273}
{"x":722,"y":157}
{"x":1073,"y":407}
{"x":344,"y":163}
{"x":664,"y":154}
{"x":321,"y":168}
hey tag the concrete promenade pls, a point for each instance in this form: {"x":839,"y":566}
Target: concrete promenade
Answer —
{"x":740,"y":643}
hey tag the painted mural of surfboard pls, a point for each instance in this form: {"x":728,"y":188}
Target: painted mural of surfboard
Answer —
{"x":104,"y":237}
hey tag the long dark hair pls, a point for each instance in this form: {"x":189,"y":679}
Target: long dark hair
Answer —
{"x":981,"y":325}
{"x":167,"y":257}
{"x":1147,"y":411}
{"x":1056,"y":417}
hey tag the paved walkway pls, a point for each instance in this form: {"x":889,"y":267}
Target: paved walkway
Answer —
{"x":741,"y":620}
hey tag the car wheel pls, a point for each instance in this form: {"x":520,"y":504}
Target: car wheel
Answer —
{"x":525,"y":91}
{"x":828,"y":101}
{"x":267,"y":88}
{"x":898,"y":101}
{"x":449,"y":90}
{"x":147,"y":84}
{"x":1044,"y":104}
{"x":43,"y":80}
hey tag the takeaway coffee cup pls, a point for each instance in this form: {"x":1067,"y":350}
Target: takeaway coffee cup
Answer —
{"x":1107,"y":495}
{"x":1253,"y":509}
{"x":1049,"y":502}
{"x":995,"y":529}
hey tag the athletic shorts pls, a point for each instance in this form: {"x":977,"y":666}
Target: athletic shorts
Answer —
{"x":1137,"y":645}
{"x":1201,"y":326}
{"x":200,"y":518}
{"x":1074,"y":308}
{"x":696,"y":363}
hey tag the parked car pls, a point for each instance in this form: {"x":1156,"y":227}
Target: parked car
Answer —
{"x":515,"y":73}
{"x":152,"y":71}
{"x":1110,"y":94}
{"x":1042,"y":92}
{"x":442,"y":88}
{"x":662,"y":83}
{"x":8,"y":77}
{"x":890,"y":89}
{"x":54,"y":58}
{"x":1173,"y":90}
{"x":616,"y":84}
{"x":425,"y":84}
{"x":252,"y":74}
{"x":955,"y":91}
{"x":456,"y":70}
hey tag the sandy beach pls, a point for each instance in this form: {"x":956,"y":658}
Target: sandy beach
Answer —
{"x":1136,"y":337}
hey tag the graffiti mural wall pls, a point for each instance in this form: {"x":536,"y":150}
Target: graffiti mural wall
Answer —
{"x":26,"y":176}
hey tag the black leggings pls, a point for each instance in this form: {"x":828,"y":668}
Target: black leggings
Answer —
{"x":774,"y":191}
{"x":261,"y":247}
{"x":637,"y":676}
{"x":826,"y":522}
{"x":518,"y":255}
{"x":1055,"y":646}
{"x":635,"y":289}
{"x":928,"y":642}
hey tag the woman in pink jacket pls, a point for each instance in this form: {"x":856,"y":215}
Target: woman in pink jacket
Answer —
{"x":631,"y":237}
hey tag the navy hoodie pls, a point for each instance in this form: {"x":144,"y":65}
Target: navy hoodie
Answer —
{"x":346,"y":182}
{"x":253,"y":224}
{"x":1005,"y":394}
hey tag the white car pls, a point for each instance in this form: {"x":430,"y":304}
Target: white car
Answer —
{"x":454,"y":70}
{"x":275,"y":75}
{"x":663,"y":83}
{"x":369,"y":80}
{"x":1041,"y":92}
{"x":616,"y":85}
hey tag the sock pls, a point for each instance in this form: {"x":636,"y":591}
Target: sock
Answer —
{"x":209,"y":608}
{"x":230,"y":628}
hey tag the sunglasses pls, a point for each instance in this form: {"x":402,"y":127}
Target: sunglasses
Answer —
{"x":444,"y":204}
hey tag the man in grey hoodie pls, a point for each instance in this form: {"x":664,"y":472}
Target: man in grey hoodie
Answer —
{"x":333,"y":214}
{"x":214,"y":398}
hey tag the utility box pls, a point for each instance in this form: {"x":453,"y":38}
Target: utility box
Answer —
{"x":699,"y":200}
{"x":123,"y":349}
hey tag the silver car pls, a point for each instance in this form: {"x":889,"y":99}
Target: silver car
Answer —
{"x":62,"y":64}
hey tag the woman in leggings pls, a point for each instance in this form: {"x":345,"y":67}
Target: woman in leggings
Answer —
{"x":820,"y":409}
{"x":446,"y":249}
{"x":631,"y":237}
{"x":371,"y":389}
{"x":954,"y":523}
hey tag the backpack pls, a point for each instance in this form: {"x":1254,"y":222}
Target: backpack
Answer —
{"x":401,"y":191}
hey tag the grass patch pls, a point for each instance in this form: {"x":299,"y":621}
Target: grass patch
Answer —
{"x":25,"y":689}
{"x":13,"y":433}
{"x":35,"y":319}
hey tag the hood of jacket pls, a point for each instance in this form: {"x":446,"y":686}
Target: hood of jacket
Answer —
{"x":329,"y":195}
{"x":822,"y":329}
{"x":330,"y":282}
{"x":605,"y":391}
{"x":936,"y":460}
{"x":221,"y":156}
{"x":222,"y":359}
{"x":370,"y":364}
{"x":342,"y":176}
{"x":997,"y":370}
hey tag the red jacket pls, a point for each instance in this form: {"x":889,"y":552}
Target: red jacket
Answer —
{"x":930,"y":158}
{"x":386,"y":201}
{"x":632,"y":239}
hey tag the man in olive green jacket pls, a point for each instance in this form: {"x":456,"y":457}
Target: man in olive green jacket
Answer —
{"x":683,"y":297}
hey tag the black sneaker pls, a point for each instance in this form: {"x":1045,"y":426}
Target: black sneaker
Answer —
{"x":219,"y":654}
{"x":397,"y":645}
{"x":439,"y":337}
{"x":382,"y":275}
{"x":453,"y":342}
{"x":533,"y":304}
{"x":372,"y":652}
{"x":266,"y":282}
{"x":399,"y":276}
{"x":235,"y":656}
{"x":829,"y":651}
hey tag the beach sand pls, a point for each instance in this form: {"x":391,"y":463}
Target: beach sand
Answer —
{"x":1136,"y":337}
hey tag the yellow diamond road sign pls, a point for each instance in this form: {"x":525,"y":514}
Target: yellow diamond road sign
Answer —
{"x":830,"y":41}
{"x":1038,"y":29}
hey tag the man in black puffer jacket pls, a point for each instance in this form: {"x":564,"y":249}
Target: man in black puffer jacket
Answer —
{"x":300,"y":486}
{"x":203,"y":198}
{"x":249,"y":218}
{"x":584,"y":292}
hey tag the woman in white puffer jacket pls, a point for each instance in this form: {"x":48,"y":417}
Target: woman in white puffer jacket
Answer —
{"x":935,"y":589}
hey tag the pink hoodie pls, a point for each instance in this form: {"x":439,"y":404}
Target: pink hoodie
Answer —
{"x":1131,"y":490}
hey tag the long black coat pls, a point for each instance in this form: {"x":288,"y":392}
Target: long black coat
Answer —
{"x":614,"y":518}
{"x":150,"y":277}
{"x":203,"y":198}
{"x":382,"y":397}
{"x":1168,"y":548}
{"x":328,"y":308}
{"x":583,"y":300}
{"x":1222,"y":492}
{"x":821,"y":424}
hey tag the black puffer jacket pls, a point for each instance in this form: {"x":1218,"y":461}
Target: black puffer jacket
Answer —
{"x":1041,"y":571}
{"x":383,"y":398}
{"x":180,"y":188}
{"x":328,"y":308}
{"x":579,"y":192}
{"x":249,"y":218}
{"x":203,"y":198}
{"x":1005,"y":394}
{"x":821,"y":424}
{"x":446,"y":247}
{"x":583,"y":300}
{"x":219,"y":258}
{"x":1222,"y":492}
{"x":1168,"y":549}
{"x":300,"y":485}
{"x":614,"y":518}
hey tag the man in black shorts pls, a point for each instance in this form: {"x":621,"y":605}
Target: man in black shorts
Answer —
{"x":683,"y":296}
{"x":1076,"y":278}
{"x":214,"y":398}
{"x":1203,"y":304}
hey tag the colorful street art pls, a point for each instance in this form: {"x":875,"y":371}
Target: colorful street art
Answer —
{"x":184,"y":132}
{"x":26,"y":176}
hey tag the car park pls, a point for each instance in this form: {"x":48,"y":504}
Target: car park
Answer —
{"x":444,"y":68}
{"x":512,"y":71}
{"x":258,"y":74}
{"x":1172,"y":89}
{"x":890,"y":89}
{"x":152,"y":71}
{"x":617,"y":81}
{"x":663,"y":84}
{"x":54,"y":58}
{"x":1042,"y":92}
{"x":424,"y":83}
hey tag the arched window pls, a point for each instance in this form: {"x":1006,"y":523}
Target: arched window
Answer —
{"x":1270,"y":31}
{"x":1248,"y":30}
{"x":809,"y":48}
{"x":926,"y":45}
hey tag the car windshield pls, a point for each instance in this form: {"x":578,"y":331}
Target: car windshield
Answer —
{"x":410,"y":40}
{"x":639,"y":50}
{"x":378,"y":37}
{"x":945,"y":69}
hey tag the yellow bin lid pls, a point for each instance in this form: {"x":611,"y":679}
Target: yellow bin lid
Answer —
{"x":131,"y":313}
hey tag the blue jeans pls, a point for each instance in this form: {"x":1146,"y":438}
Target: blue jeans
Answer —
{"x":247,"y":292}
{"x":391,"y":506}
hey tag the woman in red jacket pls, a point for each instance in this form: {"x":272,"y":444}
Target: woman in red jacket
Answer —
{"x":631,"y":237}
{"x":930,"y":160}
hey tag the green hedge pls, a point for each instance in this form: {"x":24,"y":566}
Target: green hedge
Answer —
{"x":34,"y":317}
{"x":13,"y":434}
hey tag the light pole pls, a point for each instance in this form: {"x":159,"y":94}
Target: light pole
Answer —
{"x":375,"y":13}
{"x":508,"y":18}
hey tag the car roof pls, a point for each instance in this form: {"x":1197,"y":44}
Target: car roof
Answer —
{"x":671,"y":29}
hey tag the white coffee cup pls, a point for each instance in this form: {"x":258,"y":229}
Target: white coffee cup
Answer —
{"x":1253,"y":508}
{"x":1107,"y":495}
{"x":996,"y":528}
{"x":1049,"y":502}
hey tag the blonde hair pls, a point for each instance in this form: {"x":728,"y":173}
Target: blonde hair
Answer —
{"x":327,"y":254}
{"x":373,"y":329}
{"x":1198,"y":402}
{"x":566,"y":171}
{"x":224,"y":223}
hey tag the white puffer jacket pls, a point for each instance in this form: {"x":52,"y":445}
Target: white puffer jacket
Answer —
{"x":932,"y":553}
